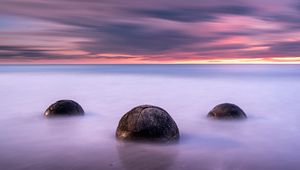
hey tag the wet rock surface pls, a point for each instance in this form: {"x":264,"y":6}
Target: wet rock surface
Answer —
{"x":146,"y":122}
{"x":227,"y":111}
{"x":64,"y":108}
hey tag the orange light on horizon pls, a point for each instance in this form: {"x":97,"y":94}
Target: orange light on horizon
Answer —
{"x":273,"y":60}
{"x":135,"y":59}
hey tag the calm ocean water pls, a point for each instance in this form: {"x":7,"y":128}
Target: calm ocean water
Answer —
{"x":268,"y":139}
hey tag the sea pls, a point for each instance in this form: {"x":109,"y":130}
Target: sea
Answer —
{"x":269,"y":139}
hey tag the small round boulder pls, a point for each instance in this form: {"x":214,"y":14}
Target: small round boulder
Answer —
{"x":227,"y":111}
{"x":146,"y":122}
{"x":64,"y":108}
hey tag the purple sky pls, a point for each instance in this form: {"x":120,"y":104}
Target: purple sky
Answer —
{"x":156,"y":31}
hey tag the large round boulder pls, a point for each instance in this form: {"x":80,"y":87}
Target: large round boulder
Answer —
{"x":146,"y":122}
{"x":64,"y":108}
{"x":227,"y":111}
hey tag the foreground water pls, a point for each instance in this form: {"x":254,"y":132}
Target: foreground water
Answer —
{"x":268,"y":139}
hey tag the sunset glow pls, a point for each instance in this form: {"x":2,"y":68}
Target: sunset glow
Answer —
{"x":156,"y":32}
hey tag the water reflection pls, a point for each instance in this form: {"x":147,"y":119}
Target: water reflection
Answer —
{"x":137,"y":156}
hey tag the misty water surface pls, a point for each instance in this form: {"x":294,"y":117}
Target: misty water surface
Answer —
{"x":268,"y":139}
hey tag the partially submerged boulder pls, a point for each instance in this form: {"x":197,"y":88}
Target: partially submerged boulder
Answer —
{"x":149,"y":123}
{"x":64,"y":108}
{"x":227,"y":111}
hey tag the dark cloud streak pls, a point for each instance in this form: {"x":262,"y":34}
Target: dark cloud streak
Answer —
{"x":132,"y":38}
{"x":9,"y":52}
{"x":195,"y":14}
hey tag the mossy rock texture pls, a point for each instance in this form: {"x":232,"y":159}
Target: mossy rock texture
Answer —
{"x":64,"y":108}
{"x":227,"y":111}
{"x":146,"y":122}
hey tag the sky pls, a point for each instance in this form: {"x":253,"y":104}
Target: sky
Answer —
{"x":149,"y":32}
